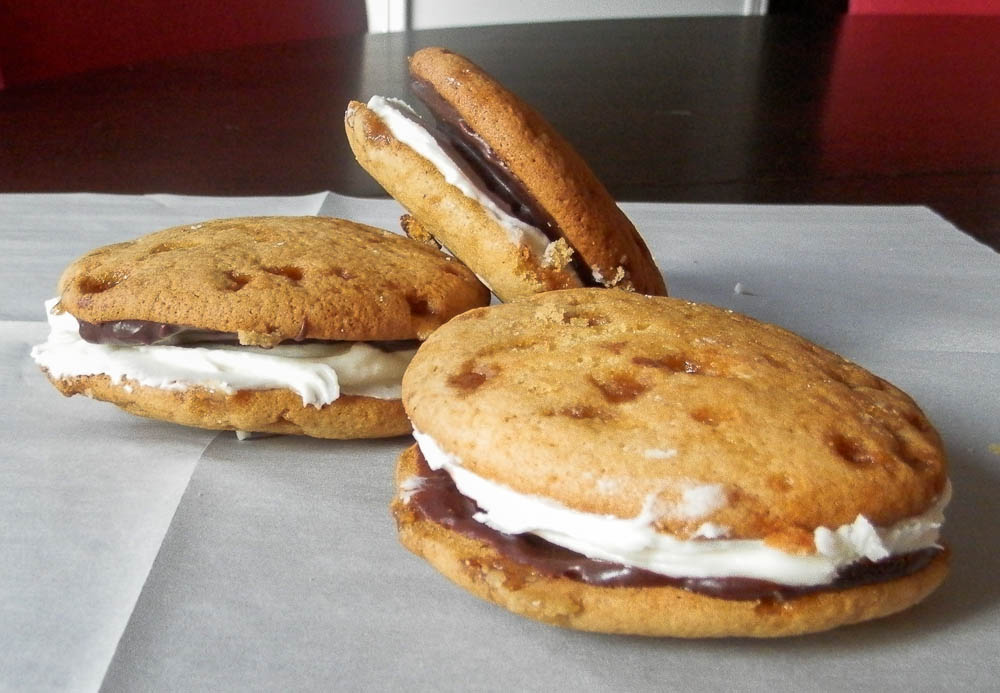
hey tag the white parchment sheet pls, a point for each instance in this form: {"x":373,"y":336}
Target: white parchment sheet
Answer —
{"x":151,"y":557}
{"x":86,"y":491}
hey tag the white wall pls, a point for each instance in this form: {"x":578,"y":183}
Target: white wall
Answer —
{"x":391,"y":15}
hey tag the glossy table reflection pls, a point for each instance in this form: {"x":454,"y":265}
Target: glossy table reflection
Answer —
{"x":855,"y":110}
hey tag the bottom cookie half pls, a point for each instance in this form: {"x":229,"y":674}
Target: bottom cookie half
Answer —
{"x":654,"y":611}
{"x":262,"y":411}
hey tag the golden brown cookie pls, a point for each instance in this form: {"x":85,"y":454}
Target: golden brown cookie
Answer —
{"x":263,"y":411}
{"x":498,"y":186}
{"x":275,"y":278}
{"x":506,"y":254}
{"x":678,"y":440}
{"x":268,"y":324}
{"x":486,"y":572}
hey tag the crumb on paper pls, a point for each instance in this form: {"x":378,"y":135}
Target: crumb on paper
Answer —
{"x":995,"y":448}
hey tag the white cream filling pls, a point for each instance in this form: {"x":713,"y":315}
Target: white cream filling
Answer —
{"x":634,"y":541}
{"x":318,"y":373}
{"x":406,"y":126}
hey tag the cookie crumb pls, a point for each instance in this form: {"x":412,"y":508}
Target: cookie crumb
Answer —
{"x":557,"y":254}
{"x":619,"y":276}
{"x":412,"y":228}
{"x":259,"y":339}
{"x":550,"y":313}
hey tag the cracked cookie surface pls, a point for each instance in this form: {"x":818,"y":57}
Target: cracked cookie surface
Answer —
{"x":280,"y":278}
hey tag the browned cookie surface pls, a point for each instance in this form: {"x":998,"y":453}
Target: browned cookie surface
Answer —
{"x":546,"y":166}
{"x":268,"y":280}
{"x":603,"y":400}
{"x":656,"y":611}
{"x":274,"y":278}
{"x":260,"y":411}
{"x":457,"y":221}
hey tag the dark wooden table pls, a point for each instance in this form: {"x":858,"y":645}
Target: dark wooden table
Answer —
{"x":869,"y":110}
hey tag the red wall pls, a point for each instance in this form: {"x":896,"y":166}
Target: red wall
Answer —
{"x":925,"y":6}
{"x":47,"y":38}
{"x":900,"y":98}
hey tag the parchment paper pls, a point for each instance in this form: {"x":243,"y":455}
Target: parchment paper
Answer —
{"x":86,"y":491}
{"x":279,"y":568}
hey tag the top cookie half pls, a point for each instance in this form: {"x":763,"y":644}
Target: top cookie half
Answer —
{"x":600,"y":400}
{"x":274,"y":279}
{"x":525,"y":167}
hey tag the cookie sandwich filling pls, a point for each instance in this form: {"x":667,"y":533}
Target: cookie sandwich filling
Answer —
{"x":319,"y":372}
{"x":452,"y":162}
{"x":629,"y":551}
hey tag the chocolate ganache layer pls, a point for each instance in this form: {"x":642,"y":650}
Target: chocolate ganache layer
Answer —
{"x":437,"y":499}
{"x":516,"y":199}
{"x":506,"y":189}
{"x":147,"y":333}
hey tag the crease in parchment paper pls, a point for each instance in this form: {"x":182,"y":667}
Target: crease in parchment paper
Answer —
{"x":152,"y":562}
{"x":87,"y":492}
{"x":897,"y":289}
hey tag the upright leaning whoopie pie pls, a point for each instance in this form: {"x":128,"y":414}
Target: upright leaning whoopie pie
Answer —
{"x":629,"y":464}
{"x":269,"y":324}
{"x":498,"y":186}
